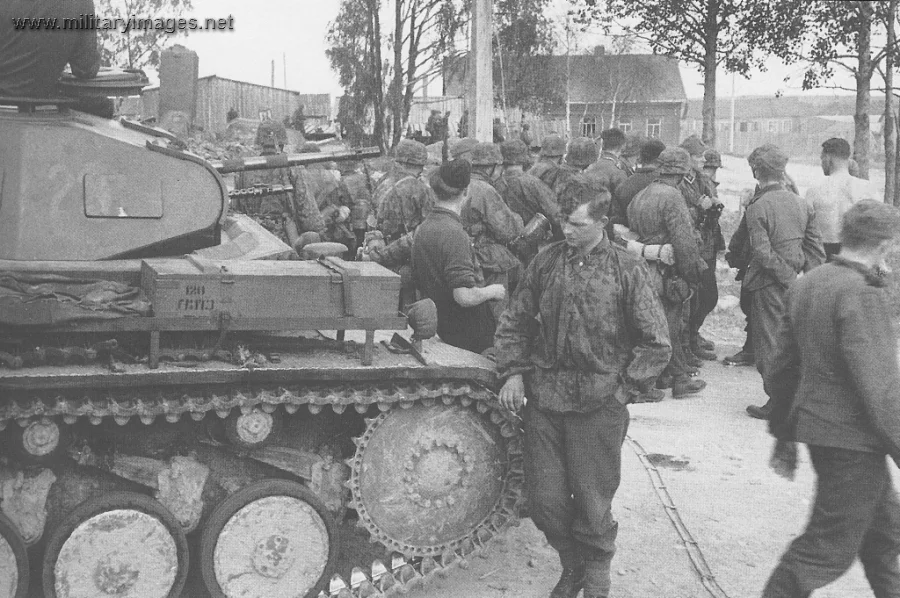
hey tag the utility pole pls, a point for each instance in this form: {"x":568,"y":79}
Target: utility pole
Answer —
{"x":480,"y":94}
{"x":731,"y":137}
{"x":273,"y":73}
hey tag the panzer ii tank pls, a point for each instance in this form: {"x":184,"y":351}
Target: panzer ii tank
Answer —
{"x":172,"y":411}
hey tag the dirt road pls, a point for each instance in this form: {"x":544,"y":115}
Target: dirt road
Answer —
{"x":713,"y":460}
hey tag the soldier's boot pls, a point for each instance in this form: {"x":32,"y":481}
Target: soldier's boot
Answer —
{"x":758,"y":412}
{"x":572,"y":579}
{"x":684,"y":387}
{"x":702,"y":352}
{"x":596,"y":574}
{"x":742,"y":357}
{"x":651,"y":395}
{"x":691,"y":359}
{"x":705,"y":343}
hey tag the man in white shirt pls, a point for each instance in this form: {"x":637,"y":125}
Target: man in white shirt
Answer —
{"x":833,"y":197}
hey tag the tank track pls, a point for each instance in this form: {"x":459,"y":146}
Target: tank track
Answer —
{"x":404,"y":571}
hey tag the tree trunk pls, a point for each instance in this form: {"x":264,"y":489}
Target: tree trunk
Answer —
{"x":397,"y":86}
{"x":710,"y":62}
{"x":375,"y":74}
{"x":861,"y":141}
{"x":890,"y":130}
{"x":413,"y":56}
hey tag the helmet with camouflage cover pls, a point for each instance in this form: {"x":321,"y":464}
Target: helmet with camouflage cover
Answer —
{"x":462,"y":148}
{"x":553,"y":146}
{"x":582,"y":152}
{"x":411,"y":152}
{"x":514,"y":151}
{"x":271,"y":133}
{"x":674,"y":160}
{"x":712,"y":159}
{"x":486,"y":154}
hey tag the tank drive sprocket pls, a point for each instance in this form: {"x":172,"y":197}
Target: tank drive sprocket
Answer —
{"x":433,"y":479}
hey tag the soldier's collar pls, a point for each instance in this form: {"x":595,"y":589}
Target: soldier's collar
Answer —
{"x":874,"y":276}
{"x":760,"y":191}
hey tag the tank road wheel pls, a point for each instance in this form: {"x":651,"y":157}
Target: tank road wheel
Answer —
{"x":425,"y":479}
{"x":272,"y":538}
{"x":121,"y":544}
{"x":13,"y":562}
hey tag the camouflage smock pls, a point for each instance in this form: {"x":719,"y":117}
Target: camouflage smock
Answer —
{"x":526,"y":195}
{"x":546,"y":171}
{"x":402,"y":201}
{"x":585,"y":329}
{"x":269,"y":210}
{"x":492,"y":226}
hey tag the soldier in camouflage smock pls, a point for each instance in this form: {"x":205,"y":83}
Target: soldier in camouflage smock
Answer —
{"x":526,"y":195}
{"x":490,"y":222}
{"x":553,"y":148}
{"x":402,"y":198}
{"x":601,"y":342}
{"x":271,"y":210}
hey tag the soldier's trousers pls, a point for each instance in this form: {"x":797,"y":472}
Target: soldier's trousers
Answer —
{"x":573,"y":465}
{"x":855,"y":514}
{"x":675,"y":318}
{"x":705,"y":299}
{"x":746,"y":308}
{"x":766,"y":308}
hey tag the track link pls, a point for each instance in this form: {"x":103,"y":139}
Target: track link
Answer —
{"x":380,"y":578}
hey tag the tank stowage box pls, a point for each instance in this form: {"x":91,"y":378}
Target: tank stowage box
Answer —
{"x":330,"y":288}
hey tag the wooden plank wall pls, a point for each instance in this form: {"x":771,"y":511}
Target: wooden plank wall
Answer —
{"x":216,"y":96}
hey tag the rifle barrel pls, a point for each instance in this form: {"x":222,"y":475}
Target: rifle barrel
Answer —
{"x":288,"y":160}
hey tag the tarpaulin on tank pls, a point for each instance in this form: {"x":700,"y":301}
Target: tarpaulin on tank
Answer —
{"x":49,"y":299}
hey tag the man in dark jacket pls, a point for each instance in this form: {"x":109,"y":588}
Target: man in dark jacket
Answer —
{"x":784,"y":242}
{"x":444,"y":267}
{"x":642,"y":177}
{"x":527,"y":196}
{"x":601,"y":341}
{"x":490,"y":222}
{"x":833,"y":381}
{"x":609,"y":166}
{"x":31,"y":60}
{"x":659,"y":215}
{"x":553,"y":148}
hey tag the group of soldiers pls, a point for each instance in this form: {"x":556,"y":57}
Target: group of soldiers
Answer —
{"x":664,"y":207}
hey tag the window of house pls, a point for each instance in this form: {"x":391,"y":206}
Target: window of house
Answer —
{"x":744,"y":127}
{"x":773,"y":126}
{"x":786,"y":126}
{"x":625,"y":125}
{"x":654,"y":127}
{"x":755,"y":126}
{"x":589,"y":127}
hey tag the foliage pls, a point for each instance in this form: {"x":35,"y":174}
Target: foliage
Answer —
{"x":743,"y":32}
{"x":423,"y":36}
{"x":524,"y":37}
{"x":354,"y":50}
{"x":845,"y":35}
{"x":137,"y":48}
{"x":708,"y":34}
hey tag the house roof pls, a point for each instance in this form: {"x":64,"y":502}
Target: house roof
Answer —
{"x":598,"y":78}
{"x":624,"y":77}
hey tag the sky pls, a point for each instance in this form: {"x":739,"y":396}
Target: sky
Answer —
{"x":292,"y":33}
